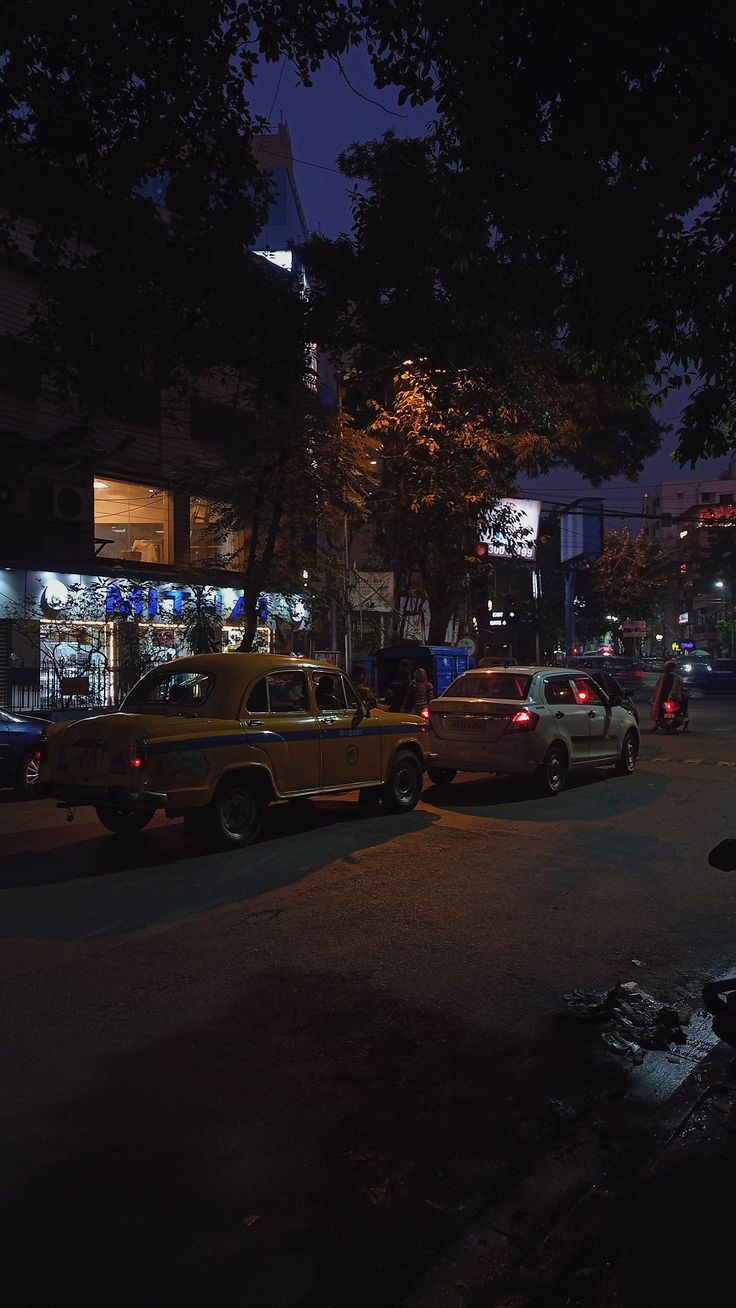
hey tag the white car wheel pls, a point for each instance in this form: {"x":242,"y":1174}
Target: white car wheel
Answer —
{"x":627,"y":761}
{"x":552,"y":775}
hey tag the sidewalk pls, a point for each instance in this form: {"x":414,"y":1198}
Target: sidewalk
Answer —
{"x":654,"y":1226}
{"x":672,"y":1240}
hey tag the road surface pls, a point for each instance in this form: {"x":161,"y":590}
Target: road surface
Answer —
{"x":288,"y":1077}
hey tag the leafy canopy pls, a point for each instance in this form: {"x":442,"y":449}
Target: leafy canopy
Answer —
{"x":597,"y":145}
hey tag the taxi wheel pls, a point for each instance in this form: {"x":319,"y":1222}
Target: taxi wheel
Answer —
{"x":235,"y":814}
{"x":124,"y":821}
{"x":441,"y":776}
{"x":627,"y":761}
{"x":403,"y":788}
{"x":552,"y":775}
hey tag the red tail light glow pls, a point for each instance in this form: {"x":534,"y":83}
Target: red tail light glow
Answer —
{"x":425,"y":713}
{"x":523,"y":720}
{"x":138,"y":754}
{"x":671,"y":706}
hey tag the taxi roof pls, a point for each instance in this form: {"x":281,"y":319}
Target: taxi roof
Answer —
{"x":233,"y":673}
{"x":244,"y":666}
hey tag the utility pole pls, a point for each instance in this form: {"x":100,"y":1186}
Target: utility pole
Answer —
{"x":570,"y":609}
{"x":345,"y":588}
{"x":536,"y":577}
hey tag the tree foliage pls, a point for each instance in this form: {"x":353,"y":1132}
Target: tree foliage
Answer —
{"x":601,"y":144}
{"x":596,"y":146}
{"x":301,"y":466}
{"x":457,"y":365}
{"x":632,"y":574}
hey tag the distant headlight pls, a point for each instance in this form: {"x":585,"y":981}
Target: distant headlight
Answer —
{"x":687,"y":667}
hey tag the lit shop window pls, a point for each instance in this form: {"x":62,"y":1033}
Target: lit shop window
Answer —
{"x":211,"y":543}
{"x":133,"y":520}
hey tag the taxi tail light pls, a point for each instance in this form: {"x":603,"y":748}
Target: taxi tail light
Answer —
{"x":524,"y":719}
{"x":138,"y":754}
{"x":425,"y":713}
{"x":671,"y":706}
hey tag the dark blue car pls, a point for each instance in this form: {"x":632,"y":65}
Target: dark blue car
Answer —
{"x":717,"y":677}
{"x":19,"y":752}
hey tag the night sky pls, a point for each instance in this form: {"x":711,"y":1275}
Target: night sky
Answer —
{"x":329,"y":117}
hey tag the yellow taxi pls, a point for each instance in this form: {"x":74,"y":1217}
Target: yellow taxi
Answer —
{"x":216,"y":737}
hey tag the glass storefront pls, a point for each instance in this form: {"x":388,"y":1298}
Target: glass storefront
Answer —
{"x":83,"y":641}
{"x":133,"y":521}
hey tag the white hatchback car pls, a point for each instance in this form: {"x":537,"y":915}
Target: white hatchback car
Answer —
{"x":535,"y":722}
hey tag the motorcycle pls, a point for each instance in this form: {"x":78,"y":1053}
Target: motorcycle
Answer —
{"x":719,"y":997}
{"x":673,"y":716}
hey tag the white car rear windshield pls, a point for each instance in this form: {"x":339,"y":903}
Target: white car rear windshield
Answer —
{"x":491,"y":685}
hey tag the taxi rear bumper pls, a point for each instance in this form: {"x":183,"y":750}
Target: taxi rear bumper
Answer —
{"x":117,"y":796}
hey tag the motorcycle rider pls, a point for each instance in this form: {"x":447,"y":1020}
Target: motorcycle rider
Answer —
{"x":669,"y":687}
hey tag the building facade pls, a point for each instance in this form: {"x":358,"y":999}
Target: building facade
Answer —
{"x":106,"y":565}
{"x":695,"y":522}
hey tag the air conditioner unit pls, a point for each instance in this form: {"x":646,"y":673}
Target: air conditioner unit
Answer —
{"x":14,"y":501}
{"x":73,"y":504}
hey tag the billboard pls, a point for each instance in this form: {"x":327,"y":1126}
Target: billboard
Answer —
{"x":516,"y":538}
{"x":581,"y":532}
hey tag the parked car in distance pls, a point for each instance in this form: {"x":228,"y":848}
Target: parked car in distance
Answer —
{"x":19,"y":753}
{"x":618,"y":665}
{"x":715,"y":678}
{"x":529,"y":721}
{"x":216,"y":737}
{"x":650,"y":664}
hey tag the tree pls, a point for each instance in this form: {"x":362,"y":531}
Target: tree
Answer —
{"x":285,"y":467}
{"x":601,"y":147}
{"x":598,"y":149}
{"x":630,"y":576}
{"x":486,"y":391}
{"x":441,"y":483}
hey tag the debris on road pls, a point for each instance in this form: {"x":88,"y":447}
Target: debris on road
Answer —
{"x":635,"y":1021}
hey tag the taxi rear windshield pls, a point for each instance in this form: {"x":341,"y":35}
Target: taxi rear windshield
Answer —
{"x":491,"y":685}
{"x":178,"y":691}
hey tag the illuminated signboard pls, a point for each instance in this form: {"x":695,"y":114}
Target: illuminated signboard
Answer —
{"x":516,"y":538}
{"x":721,"y":515}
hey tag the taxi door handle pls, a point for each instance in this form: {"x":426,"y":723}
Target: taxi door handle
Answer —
{"x":254,"y":722}
{"x":329,"y":718}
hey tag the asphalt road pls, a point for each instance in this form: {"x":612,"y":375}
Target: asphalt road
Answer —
{"x":289,"y":1077}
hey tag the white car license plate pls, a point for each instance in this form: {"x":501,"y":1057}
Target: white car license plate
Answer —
{"x":469,"y":724}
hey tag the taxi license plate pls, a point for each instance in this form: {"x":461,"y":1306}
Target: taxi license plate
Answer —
{"x":469,"y":724}
{"x":89,"y":760}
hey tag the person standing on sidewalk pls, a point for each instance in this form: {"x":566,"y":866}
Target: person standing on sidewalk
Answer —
{"x":423,"y":690}
{"x":400,"y":694}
